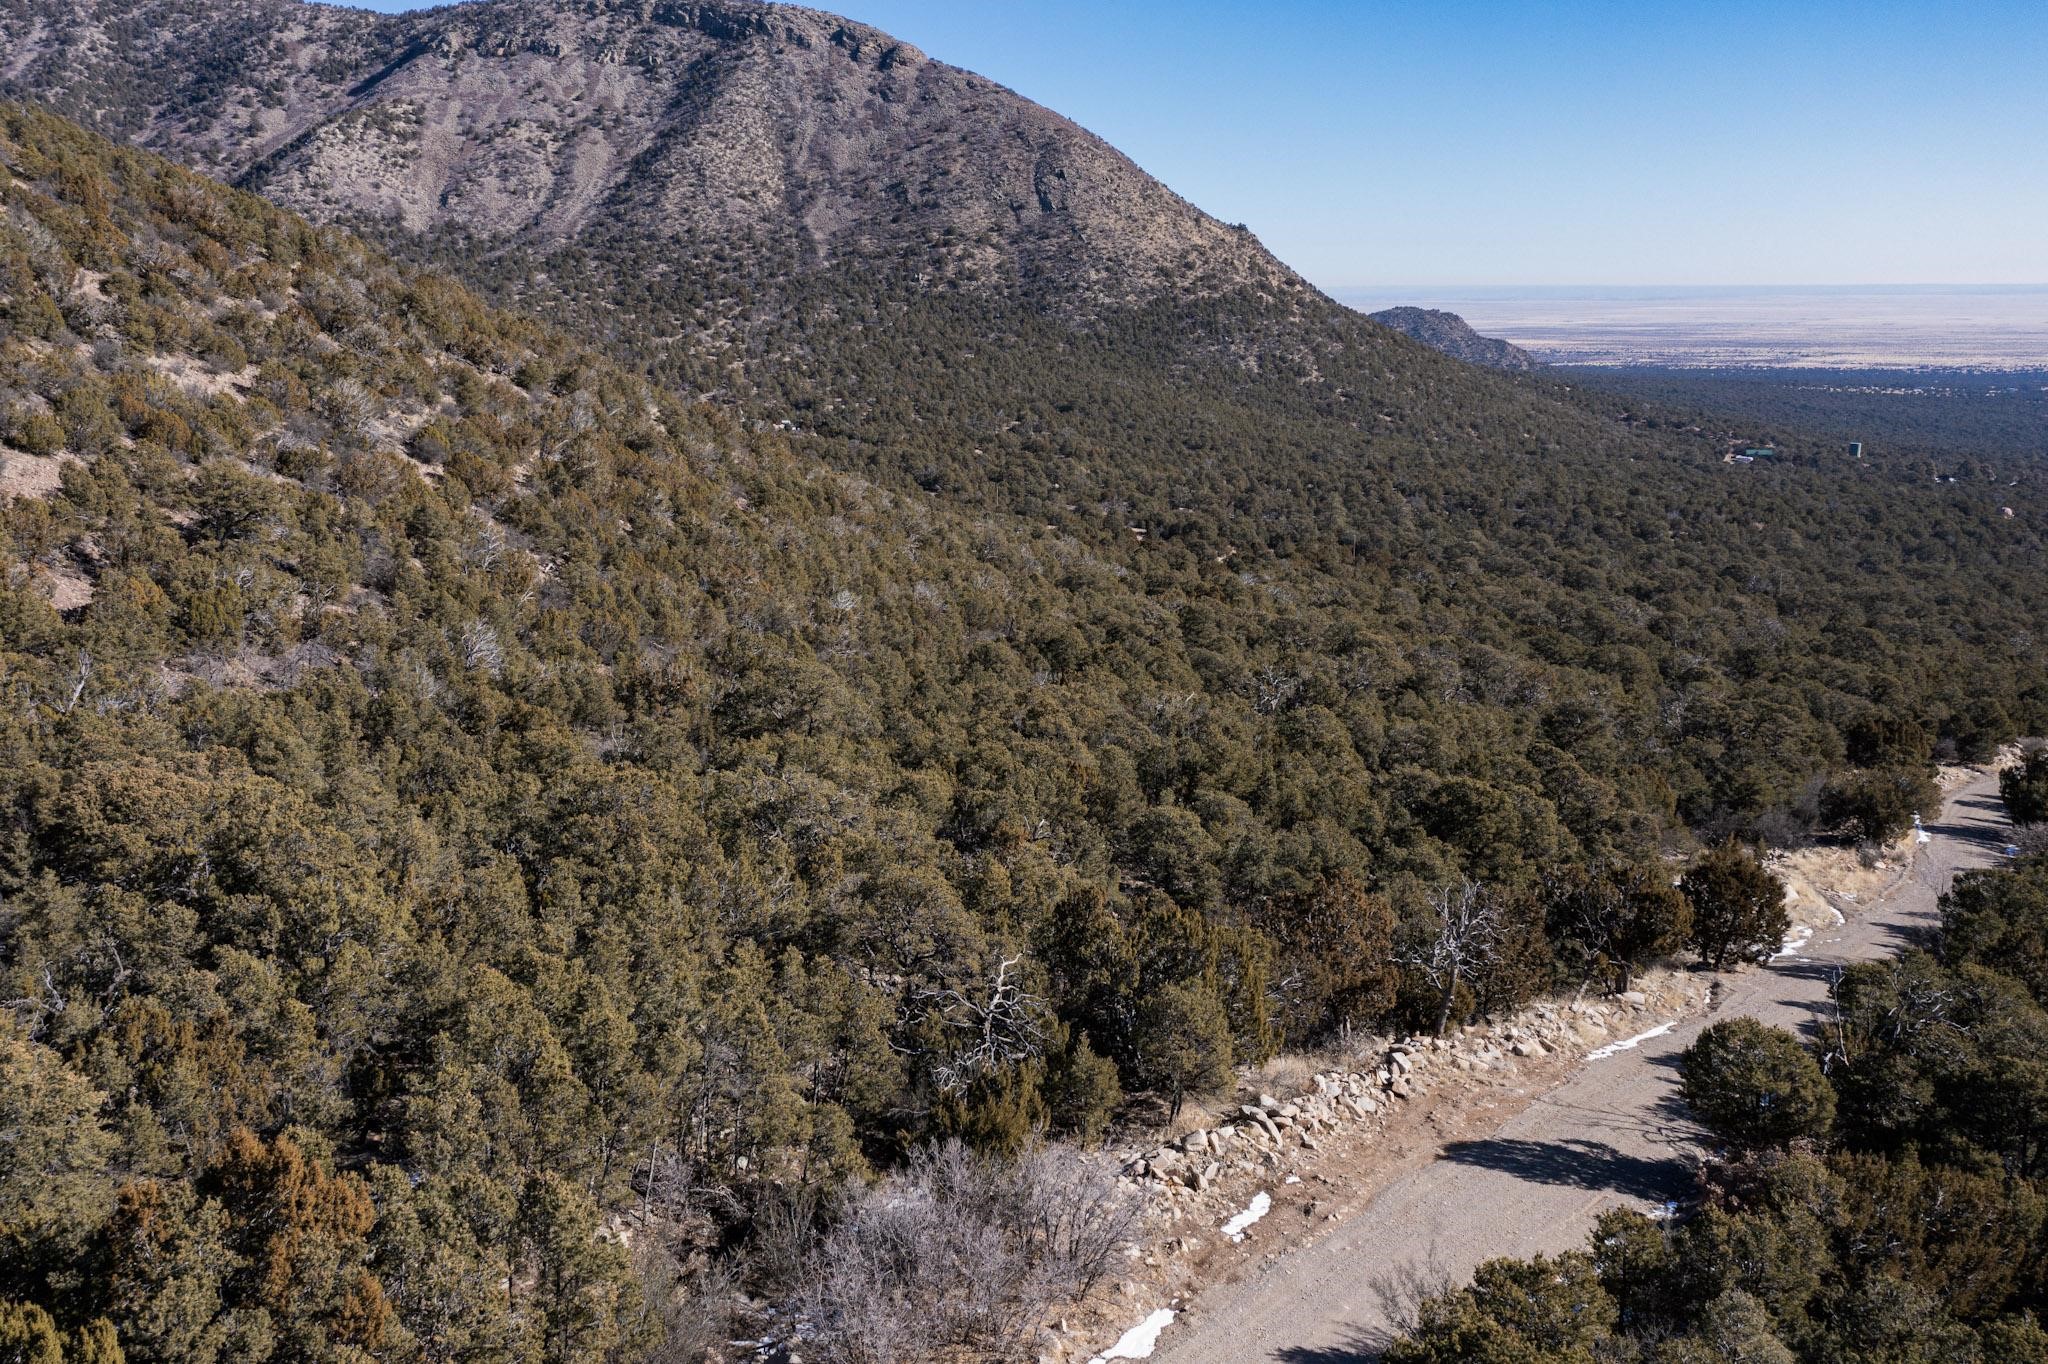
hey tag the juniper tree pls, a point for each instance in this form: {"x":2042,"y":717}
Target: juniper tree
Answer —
{"x":1738,"y":907}
{"x":1752,"y":1085}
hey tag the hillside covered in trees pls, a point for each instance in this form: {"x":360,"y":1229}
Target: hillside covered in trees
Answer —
{"x":485,"y":841}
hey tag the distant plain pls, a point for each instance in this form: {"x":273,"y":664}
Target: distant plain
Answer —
{"x":1979,"y":327}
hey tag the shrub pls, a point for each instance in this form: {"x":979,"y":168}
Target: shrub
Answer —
{"x":1738,"y":908}
{"x":1614,"y":918}
{"x":958,"y":1251}
{"x":35,"y":431}
{"x":215,"y":614}
{"x":2024,"y":788}
{"x":1752,"y":1085}
{"x":1878,"y":804}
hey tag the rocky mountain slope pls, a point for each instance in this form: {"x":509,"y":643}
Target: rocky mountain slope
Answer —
{"x":1454,"y":336}
{"x":726,"y":121}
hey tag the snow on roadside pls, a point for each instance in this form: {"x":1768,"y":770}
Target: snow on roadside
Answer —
{"x":1261,"y":1204}
{"x":1795,"y":942}
{"x":1628,"y":1043}
{"x":1140,"y":1340}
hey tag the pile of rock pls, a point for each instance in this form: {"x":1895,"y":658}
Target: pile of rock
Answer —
{"x":1253,"y":1137}
{"x":1255,"y":1134}
{"x":1567,"y":1027}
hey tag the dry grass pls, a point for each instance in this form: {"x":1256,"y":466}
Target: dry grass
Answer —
{"x":198,"y":378}
{"x":29,"y":476}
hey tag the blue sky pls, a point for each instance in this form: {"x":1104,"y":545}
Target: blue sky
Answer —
{"x":1460,"y":142}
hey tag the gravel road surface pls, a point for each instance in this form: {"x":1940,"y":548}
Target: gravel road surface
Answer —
{"x":1613,"y":1133}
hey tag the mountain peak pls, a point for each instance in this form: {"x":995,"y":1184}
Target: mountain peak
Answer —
{"x":808,"y":136}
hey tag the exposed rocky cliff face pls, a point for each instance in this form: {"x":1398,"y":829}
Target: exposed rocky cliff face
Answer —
{"x":1452,"y":335}
{"x":538,"y":123}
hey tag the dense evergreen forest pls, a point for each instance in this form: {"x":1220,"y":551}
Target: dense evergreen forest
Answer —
{"x":485,"y":841}
{"x":1237,"y":442}
{"x":1879,"y":1195}
{"x":1949,"y":417}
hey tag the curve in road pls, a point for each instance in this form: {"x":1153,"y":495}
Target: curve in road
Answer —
{"x":1615,"y":1132}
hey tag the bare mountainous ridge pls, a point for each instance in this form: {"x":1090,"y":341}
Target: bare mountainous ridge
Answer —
{"x":709,"y":187}
{"x":510,"y":120}
{"x":1454,"y":336}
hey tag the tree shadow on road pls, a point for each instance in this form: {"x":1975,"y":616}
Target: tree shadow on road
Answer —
{"x":1807,"y":970}
{"x":1992,"y":835}
{"x":1575,"y":1164}
{"x":1362,"y":1349}
{"x":1909,"y":937}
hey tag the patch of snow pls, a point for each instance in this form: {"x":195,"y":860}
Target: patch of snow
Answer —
{"x":1795,"y":941}
{"x":1628,"y":1043}
{"x":1292,"y":1179}
{"x":1261,"y":1204}
{"x":1140,"y":1340}
{"x":1837,"y":915}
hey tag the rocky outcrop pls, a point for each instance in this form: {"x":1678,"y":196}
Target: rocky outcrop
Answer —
{"x":1453,"y":336}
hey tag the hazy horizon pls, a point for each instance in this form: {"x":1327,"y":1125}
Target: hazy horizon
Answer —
{"x":1946,"y":326}
{"x":1656,"y":286}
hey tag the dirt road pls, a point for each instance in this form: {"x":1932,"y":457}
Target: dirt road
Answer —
{"x":1613,"y":1133}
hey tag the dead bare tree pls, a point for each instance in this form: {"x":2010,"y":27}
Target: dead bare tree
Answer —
{"x":999,"y":1027}
{"x":480,"y":648}
{"x":81,"y":675}
{"x":1465,"y":942}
